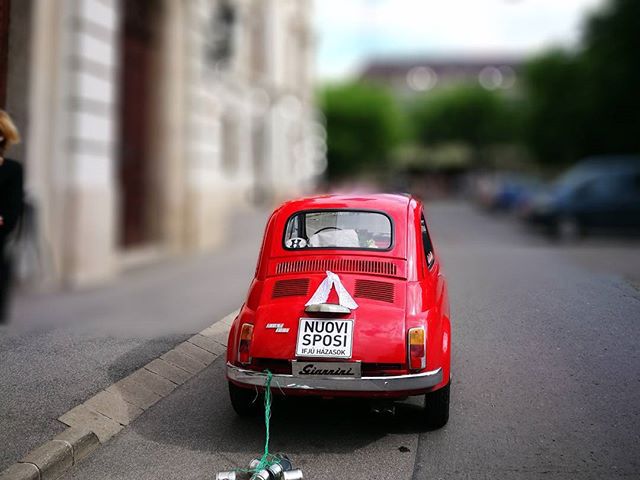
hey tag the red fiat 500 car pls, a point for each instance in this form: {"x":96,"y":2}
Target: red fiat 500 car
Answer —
{"x":348,"y":299}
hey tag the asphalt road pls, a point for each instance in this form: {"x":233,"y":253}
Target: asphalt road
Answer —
{"x":546,"y":381}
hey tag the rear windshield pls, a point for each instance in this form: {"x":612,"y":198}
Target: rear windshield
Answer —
{"x":338,"y":229}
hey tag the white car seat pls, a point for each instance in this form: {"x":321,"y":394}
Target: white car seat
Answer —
{"x":335,"y":238}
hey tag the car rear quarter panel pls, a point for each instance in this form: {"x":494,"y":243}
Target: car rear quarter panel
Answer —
{"x":427,"y":296}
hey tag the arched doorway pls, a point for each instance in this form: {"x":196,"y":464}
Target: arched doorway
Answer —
{"x":5,"y":9}
{"x":15,"y":65}
{"x":139,"y":53}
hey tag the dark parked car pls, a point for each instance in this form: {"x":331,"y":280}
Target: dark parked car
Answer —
{"x":504,"y":191}
{"x":516,"y":190}
{"x":598,"y":194}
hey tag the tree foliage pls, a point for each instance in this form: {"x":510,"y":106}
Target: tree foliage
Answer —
{"x":363,"y":125}
{"x":554,"y":111}
{"x":587,"y":102}
{"x":611,"y":62}
{"x":466,"y":114}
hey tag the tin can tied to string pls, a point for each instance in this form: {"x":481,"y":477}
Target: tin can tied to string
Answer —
{"x":268,"y":466}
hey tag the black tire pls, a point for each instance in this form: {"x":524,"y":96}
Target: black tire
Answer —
{"x":245,"y":402}
{"x":436,"y":408}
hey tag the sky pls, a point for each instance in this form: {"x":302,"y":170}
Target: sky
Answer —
{"x":351,"y":32}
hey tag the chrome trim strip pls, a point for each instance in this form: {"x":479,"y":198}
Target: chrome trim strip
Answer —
{"x":398,"y":383}
{"x":327,"y":308}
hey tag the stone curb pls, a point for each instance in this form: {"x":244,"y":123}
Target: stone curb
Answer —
{"x":82,"y":442}
{"x":21,"y":471}
{"x":104,"y":415}
{"x":52,"y":459}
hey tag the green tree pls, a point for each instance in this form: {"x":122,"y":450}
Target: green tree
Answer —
{"x":470,"y":115}
{"x":587,"y":102}
{"x":555,"y":111}
{"x":611,"y":62}
{"x":363,"y":125}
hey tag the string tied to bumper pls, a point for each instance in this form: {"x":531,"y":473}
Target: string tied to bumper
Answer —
{"x":267,"y":460}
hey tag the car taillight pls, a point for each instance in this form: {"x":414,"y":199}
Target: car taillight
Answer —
{"x":417,"y":348}
{"x":246,"y":334}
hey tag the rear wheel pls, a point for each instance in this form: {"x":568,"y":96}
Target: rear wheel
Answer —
{"x":436,"y":408}
{"x":244,"y":401}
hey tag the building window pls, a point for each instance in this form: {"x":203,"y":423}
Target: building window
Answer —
{"x":220,"y":47}
{"x":229,"y":141}
{"x":5,"y":6}
{"x":259,"y":47}
{"x":421,"y":78}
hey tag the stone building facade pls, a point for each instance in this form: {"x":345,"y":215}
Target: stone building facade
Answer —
{"x":148,"y":122}
{"x":419,"y":76}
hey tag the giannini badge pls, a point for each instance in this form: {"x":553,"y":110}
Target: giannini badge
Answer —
{"x":278,"y":327}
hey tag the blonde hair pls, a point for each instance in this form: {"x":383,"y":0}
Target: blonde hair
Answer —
{"x":9,"y":131}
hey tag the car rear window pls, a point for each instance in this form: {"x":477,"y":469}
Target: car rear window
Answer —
{"x":338,"y":229}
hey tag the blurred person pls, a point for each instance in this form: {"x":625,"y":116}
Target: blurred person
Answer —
{"x":11,"y":200}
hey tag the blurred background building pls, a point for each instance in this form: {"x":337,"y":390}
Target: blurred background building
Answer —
{"x":147,"y":123}
{"x":411,"y":76}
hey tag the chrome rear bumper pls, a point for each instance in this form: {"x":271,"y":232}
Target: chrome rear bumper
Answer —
{"x":398,"y":383}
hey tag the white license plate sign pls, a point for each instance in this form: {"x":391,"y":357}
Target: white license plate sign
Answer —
{"x":326,"y":369}
{"x":319,"y":337}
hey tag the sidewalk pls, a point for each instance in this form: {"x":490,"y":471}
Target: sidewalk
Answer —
{"x":63,"y":348}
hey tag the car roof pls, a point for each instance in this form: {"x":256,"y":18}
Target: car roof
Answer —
{"x":394,"y":204}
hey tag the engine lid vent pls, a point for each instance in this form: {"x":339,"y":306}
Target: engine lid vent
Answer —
{"x":290,"y":288}
{"x":375,"y":290}
{"x":338,"y":265}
